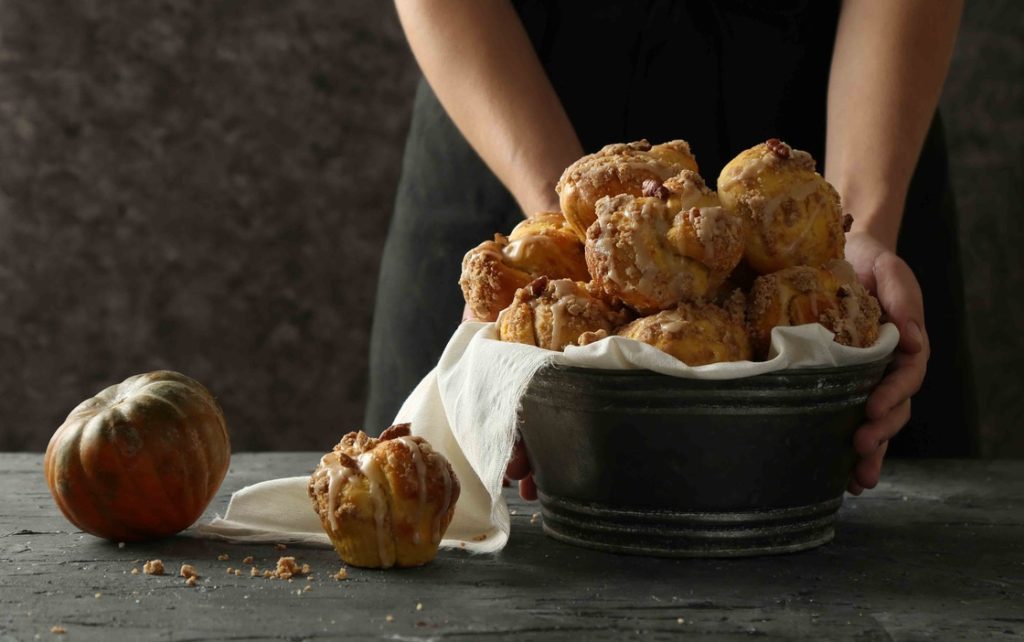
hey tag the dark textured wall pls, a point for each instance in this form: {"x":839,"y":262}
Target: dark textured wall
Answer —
{"x":205,"y":186}
{"x":984,"y":108}
{"x":202,"y":186}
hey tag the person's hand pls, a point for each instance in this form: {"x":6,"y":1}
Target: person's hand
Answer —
{"x":519,"y":464}
{"x":519,"y":469}
{"x":890,"y":279}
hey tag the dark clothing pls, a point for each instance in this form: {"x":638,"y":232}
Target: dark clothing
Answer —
{"x":722,"y":75}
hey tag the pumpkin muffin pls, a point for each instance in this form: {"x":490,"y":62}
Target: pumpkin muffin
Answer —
{"x":384,"y":502}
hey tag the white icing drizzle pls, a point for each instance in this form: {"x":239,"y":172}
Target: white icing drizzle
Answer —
{"x":745,"y":172}
{"x":336,"y":474}
{"x":801,"y":191}
{"x":564,"y":288}
{"x":517,"y":249}
{"x":436,"y":535}
{"x":421,"y":478}
{"x":371,"y":469}
{"x":669,"y":327}
{"x":558,"y":323}
{"x":853,"y":312}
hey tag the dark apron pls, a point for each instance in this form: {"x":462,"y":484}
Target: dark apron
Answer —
{"x":724,"y":76}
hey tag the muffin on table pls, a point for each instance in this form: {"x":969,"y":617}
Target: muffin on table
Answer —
{"x":384,"y":501}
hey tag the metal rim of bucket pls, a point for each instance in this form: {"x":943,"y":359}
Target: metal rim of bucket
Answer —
{"x":660,"y":533}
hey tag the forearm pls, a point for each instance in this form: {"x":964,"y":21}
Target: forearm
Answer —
{"x":888,"y":67}
{"x":481,"y":65}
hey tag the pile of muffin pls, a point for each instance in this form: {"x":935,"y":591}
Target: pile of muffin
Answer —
{"x":642,"y":248}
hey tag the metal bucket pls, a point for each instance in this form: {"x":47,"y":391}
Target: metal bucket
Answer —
{"x":642,"y":463}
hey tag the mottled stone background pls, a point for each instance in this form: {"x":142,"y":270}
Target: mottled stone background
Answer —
{"x":205,"y":186}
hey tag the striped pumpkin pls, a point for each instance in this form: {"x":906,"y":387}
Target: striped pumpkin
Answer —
{"x":140,"y":460}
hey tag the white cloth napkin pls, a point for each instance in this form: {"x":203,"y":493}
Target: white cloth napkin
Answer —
{"x":466,"y":408}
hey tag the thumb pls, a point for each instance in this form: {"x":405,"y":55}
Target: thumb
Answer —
{"x":900,"y":296}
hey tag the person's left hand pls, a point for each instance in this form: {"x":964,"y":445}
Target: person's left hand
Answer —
{"x":519,"y":469}
{"x":890,"y":279}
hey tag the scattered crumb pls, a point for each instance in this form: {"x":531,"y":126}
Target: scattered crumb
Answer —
{"x":306,"y":569}
{"x":230,"y":570}
{"x":247,"y":560}
{"x":152,"y":567}
{"x":223,"y":557}
{"x":286,"y":567}
{"x":512,"y":512}
{"x":254,"y":572}
{"x":462,"y":545}
{"x":534,"y":518}
{"x":120,"y":544}
{"x":307,"y":588}
{"x":238,"y":572}
{"x":309,"y":578}
{"x":135,"y":571}
{"x":58,"y":630}
{"x":419,"y":606}
{"x":680,"y":621}
{"x":188,"y":571}
{"x":267,"y":574}
{"x":389,"y":618}
{"x":190,"y":580}
{"x":98,"y":595}
{"x":479,"y":538}
{"x":342,"y":574}
{"x":280,"y":547}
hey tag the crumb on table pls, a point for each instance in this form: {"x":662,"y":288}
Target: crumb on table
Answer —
{"x":152,"y":567}
{"x":286,"y":567}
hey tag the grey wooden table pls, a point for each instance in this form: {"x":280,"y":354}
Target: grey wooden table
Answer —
{"x":936,"y":552}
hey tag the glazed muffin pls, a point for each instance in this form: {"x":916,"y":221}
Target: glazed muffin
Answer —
{"x":552,"y":314}
{"x":794,"y":216}
{"x":696,"y":333}
{"x":831,"y":296}
{"x":542,"y":245}
{"x":676,"y":243}
{"x":617,"y":169}
{"x":384,"y":502}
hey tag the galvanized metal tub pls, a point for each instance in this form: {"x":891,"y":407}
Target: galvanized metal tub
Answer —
{"x":642,"y":463}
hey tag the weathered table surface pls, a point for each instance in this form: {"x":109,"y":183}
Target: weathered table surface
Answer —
{"x":936,"y":552}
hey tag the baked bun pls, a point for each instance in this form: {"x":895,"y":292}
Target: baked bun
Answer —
{"x":695,"y":333}
{"x":617,"y":169}
{"x":384,"y":502}
{"x":794,"y":215}
{"x":676,"y":244}
{"x":832,"y":297}
{"x":543,"y":245}
{"x":552,"y":314}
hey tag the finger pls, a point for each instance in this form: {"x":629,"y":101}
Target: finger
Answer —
{"x":902,"y":382}
{"x":519,"y":464}
{"x":528,"y":488}
{"x":871,"y":435}
{"x":900,"y":296}
{"x":868,"y":471}
{"x":853,"y":487}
